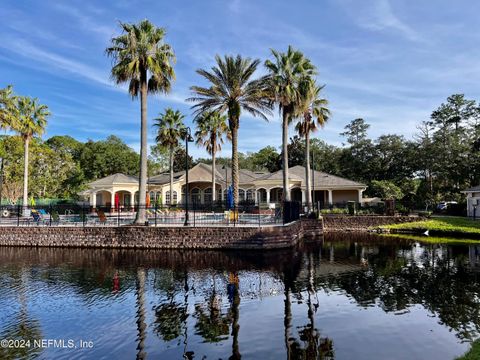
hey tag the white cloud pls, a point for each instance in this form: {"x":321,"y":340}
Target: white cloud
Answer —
{"x":378,"y":15}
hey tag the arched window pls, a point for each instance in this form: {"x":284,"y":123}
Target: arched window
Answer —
{"x":241,"y":195}
{"x":195,"y":196}
{"x":207,"y":196}
{"x":251,"y":195}
{"x":167,"y":198}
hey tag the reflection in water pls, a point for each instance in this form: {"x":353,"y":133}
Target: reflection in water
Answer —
{"x":361,"y":297}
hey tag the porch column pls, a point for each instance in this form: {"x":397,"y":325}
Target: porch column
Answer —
{"x":304,"y":196}
{"x":112,"y":200}
{"x":255,"y":196}
{"x":93,"y":199}
{"x":360,"y":195}
{"x":330,"y":197}
{"x":268,"y":196}
{"x":132,"y":198}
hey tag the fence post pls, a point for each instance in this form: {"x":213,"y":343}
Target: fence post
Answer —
{"x":83,"y":214}
{"x":118,"y":215}
{"x":18,"y":214}
{"x":50,"y":214}
{"x":194,"y":207}
{"x":156,"y":208}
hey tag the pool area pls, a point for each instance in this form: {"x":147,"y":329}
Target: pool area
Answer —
{"x":348,"y":296}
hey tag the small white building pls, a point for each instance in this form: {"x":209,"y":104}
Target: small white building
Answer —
{"x":473,"y":200}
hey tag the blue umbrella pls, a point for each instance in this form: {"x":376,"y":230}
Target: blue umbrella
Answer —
{"x":230,"y":197}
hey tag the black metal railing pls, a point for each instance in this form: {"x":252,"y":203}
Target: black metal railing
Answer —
{"x":212,"y":214}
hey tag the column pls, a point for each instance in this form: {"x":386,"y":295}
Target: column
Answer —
{"x":132,"y":199}
{"x":112,"y":201}
{"x":255,"y":196}
{"x":304,"y":196}
{"x":93,"y":200}
{"x":268,"y":196}
{"x":360,"y":196}
{"x":330,"y":197}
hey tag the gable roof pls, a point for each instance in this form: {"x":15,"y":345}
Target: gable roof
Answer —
{"x":117,"y":178}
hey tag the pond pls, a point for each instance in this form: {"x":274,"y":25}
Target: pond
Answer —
{"x":348,"y":297}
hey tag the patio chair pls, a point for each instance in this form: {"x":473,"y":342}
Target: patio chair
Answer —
{"x":37,"y":218}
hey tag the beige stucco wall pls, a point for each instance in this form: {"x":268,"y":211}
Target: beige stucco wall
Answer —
{"x":344,"y":195}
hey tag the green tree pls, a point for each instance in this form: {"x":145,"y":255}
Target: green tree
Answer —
{"x":179,"y":160}
{"x":106,"y":157}
{"x":313,"y":109}
{"x":144,"y":60}
{"x":30,"y":119}
{"x":356,"y":132}
{"x":211,"y":127}
{"x":385,"y":189}
{"x":170,"y":129}
{"x":266,"y":159}
{"x":288,"y":74}
{"x":232,"y":90}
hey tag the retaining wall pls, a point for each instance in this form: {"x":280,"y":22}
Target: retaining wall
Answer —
{"x":254,"y":238}
{"x":362,"y":223}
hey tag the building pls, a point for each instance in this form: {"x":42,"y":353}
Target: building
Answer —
{"x":473,"y":200}
{"x":259,"y":187}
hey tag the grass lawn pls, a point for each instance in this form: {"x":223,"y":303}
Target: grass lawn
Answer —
{"x":431,"y":239}
{"x":473,"y":353}
{"x":444,"y":226}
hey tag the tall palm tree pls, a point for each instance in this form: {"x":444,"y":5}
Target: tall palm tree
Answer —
{"x":170,"y":130}
{"x":30,"y":119}
{"x":313,"y":109}
{"x":144,"y":60}
{"x":289,"y":72}
{"x":232,"y":90}
{"x":211,"y":127}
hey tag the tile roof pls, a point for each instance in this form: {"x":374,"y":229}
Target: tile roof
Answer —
{"x":117,"y":178}
{"x":322,"y":179}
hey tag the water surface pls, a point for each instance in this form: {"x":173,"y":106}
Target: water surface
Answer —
{"x":348,"y":297}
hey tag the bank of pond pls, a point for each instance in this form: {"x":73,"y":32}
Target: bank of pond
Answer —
{"x":347,"y":295}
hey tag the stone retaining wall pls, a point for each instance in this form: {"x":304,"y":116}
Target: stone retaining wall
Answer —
{"x":254,"y":238}
{"x":362,"y":223}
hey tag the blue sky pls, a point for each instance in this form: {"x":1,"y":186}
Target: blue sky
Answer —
{"x":389,"y":61}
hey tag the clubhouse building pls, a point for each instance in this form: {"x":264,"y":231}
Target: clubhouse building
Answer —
{"x":265,"y":188}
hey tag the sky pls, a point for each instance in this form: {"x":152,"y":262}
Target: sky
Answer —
{"x":390,"y":62}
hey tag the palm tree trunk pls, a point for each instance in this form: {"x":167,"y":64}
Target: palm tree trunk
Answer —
{"x":140,"y":304}
{"x":25,"y":171}
{"x":171,"y":176}
{"x":142,"y":191}
{"x":307,"y":169}
{"x":214,"y":150}
{"x":286,"y":192}
{"x":235,"y":164}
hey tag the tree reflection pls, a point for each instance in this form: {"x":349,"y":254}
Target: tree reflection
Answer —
{"x":170,"y":315}
{"x":211,"y":324}
{"x":22,"y":326}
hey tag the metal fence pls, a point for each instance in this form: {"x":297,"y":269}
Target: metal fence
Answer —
{"x":246,"y":214}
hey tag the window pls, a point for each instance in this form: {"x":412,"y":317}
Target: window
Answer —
{"x":251,"y":195}
{"x":195,"y":196}
{"x":207,"y":196}
{"x":241,"y":195}
{"x":167,"y":198}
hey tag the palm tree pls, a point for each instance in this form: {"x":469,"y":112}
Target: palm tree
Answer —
{"x":144,"y":60}
{"x":289,"y":73}
{"x":312,"y":107}
{"x":7,"y":105}
{"x":231,"y":90}
{"x":29,"y":120}
{"x":170,"y":130}
{"x":211,"y":127}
